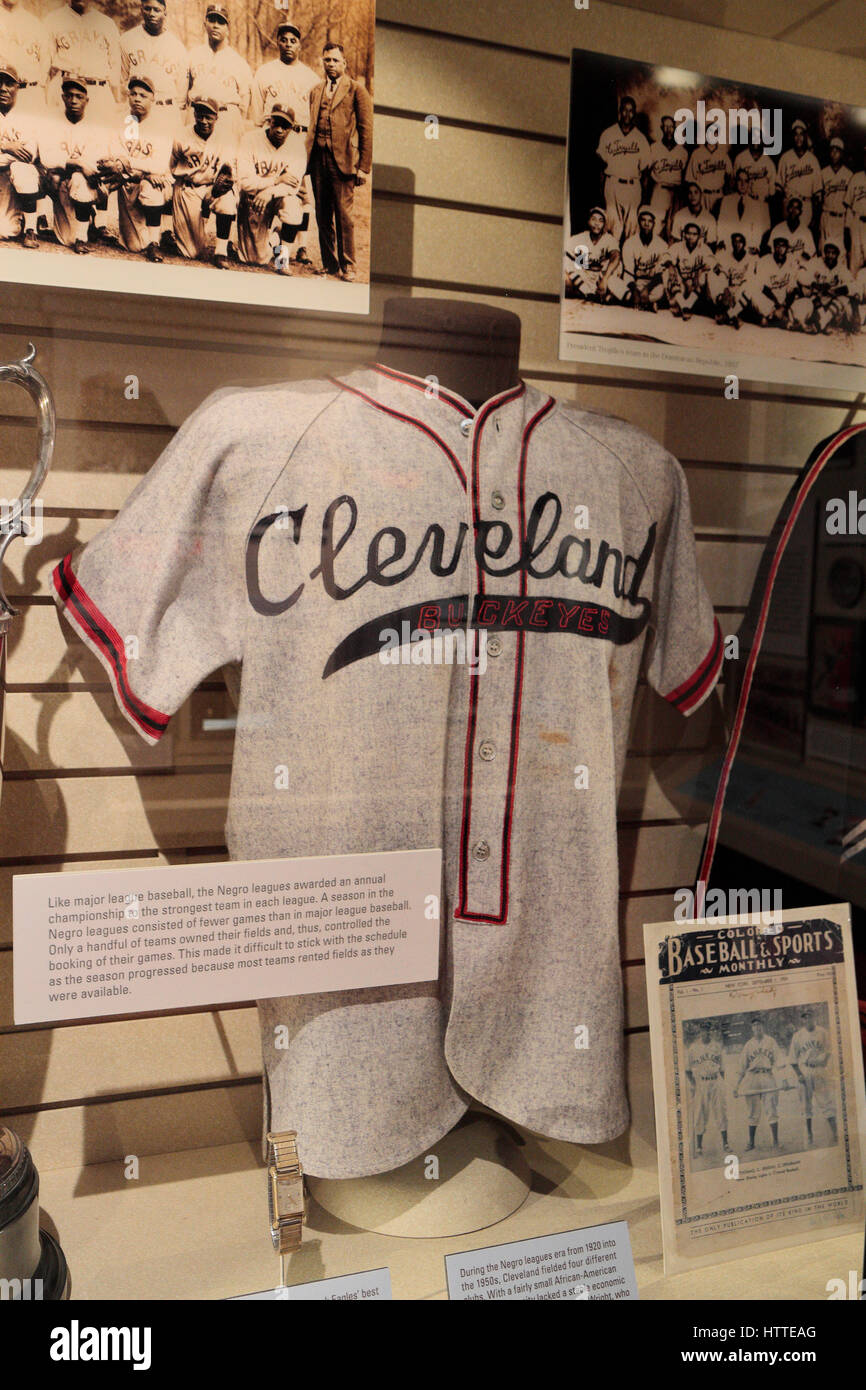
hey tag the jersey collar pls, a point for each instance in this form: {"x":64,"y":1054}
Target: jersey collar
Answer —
{"x":446,"y":418}
{"x":423,"y":398}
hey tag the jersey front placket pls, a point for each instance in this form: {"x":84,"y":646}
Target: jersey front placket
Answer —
{"x":496,"y":475}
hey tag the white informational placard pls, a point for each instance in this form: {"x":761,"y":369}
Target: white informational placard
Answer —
{"x":346,"y":1288}
{"x":105,"y":942}
{"x":590,"y":1264}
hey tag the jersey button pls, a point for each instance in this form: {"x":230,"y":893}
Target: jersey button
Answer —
{"x":494,"y":646}
{"x":487,"y":750}
{"x":481,"y":850}
{"x":497,"y":500}
{"x":465,"y":427}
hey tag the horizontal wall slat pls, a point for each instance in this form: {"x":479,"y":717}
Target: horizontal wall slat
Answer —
{"x":634,"y":912}
{"x":47,"y":1065}
{"x":111,"y":1129}
{"x":648,"y":37}
{"x":48,"y":732}
{"x":658,"y":855}
{"x":92,"y":816}
{"x":468,"y":165}
{"x":515,"y":89}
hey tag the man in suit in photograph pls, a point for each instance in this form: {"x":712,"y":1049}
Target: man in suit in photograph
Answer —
{"x":340,"y":153}
{"x":743,"y":214}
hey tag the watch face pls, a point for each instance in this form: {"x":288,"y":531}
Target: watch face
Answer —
{"x":287,"y":1194}
{"x":845,"y":580}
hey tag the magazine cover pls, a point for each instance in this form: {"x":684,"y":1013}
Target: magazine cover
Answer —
{"x":758,"y":1080}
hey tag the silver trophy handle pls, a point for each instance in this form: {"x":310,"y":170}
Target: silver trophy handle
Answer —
{"x":14,"y":524}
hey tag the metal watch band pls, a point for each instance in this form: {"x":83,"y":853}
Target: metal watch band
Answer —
{"x":285,"y":1191}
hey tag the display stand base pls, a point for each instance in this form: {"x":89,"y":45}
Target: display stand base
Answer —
{"x":482,"y":1178}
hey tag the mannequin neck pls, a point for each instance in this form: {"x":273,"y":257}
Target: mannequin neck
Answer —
{"x":470,"y":349}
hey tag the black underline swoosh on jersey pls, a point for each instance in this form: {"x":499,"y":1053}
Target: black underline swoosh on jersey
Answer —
{"x":367,"y":639}
{"x":540,"y":614}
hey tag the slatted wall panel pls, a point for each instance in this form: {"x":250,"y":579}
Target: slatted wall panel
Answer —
{"x":475,"y":214}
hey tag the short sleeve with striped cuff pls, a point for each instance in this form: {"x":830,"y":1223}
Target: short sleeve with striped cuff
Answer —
{"x":158,"y":595}
{"x":687,"y":648}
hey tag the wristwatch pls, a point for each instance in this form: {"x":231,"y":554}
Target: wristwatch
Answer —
{"x":285,"y":1191}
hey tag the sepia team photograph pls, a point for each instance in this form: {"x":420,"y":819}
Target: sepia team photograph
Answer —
{"x":178,"y":147}
{"x":723,"y":223}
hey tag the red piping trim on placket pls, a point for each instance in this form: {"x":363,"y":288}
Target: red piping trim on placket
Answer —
{"x":408,"y":420}
{"x":517,"y":705}
{"x":718,"y":803}
{"x":473,"y":679}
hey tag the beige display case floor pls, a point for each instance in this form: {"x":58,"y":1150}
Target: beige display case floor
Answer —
{"x":194,"y":1225}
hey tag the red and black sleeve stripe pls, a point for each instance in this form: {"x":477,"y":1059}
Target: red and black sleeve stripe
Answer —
{"x":692,"y":691}
{"x":106,"y":643}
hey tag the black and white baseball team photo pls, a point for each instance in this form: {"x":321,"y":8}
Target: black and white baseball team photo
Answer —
{"x":761,"y":1084}
{"x":147,"y":144}
{"x":723,"y":222}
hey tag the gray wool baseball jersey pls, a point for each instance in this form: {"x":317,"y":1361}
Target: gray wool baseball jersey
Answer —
{"x":291,"y":529}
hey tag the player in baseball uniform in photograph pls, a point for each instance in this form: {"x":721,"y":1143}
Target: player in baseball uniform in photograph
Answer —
{"x":686,"y":278}
{"x":205,"y":200}
{"x":272,"y":161}
{"x":799,"y":174}
{"x":835,"y":178}
{"x":216,"y":67}
{"x":667,"y":163}
{"x":762,"y":176}
{"x":625,"y":153}
{"x":705,"y":1068}
{"x":810,"y":1058}
{"x":710,"y":168}
{"x":801,"y":243}
{"x":758,"y":1081}
{"x":694,"y":211}
{"x":19,"y":174}
{"x":855,"y":219}
{"x":645,"y":258}
{"x":287,"y":81}
{"x":71,"y":147}
{"x":26,"y":44}
{"x":827,"y":295}
{"x":284,"y":80}
{"x":775,"y":284}
{"x":740,"y":212}
{"x":591,"y":261}
{"x":146,"y":186}
{"x":85,"y":43}
{"x":729,"y":281}
{"x":151,"y":48}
